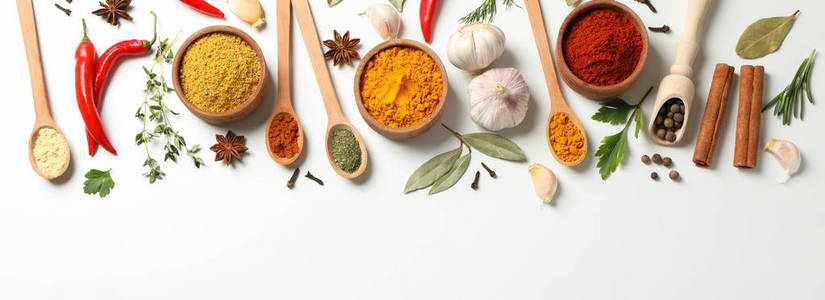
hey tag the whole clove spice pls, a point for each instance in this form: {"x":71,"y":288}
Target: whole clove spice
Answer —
{"x":649,"y":5}
{"x":662,"y":29}
{"x":492,"y":173}
{"x":313,"y":178}
{"x":67,"y":11}
{"x":291,"y":182}
{"x":474,"y":185}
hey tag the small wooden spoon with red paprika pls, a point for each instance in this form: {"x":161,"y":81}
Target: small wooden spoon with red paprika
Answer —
{"x":557,"y":103}
{"x":284,"y":101}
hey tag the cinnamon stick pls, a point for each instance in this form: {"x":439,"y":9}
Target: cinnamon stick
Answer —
{"x":749,"y":117}
{"x":713,"y":116}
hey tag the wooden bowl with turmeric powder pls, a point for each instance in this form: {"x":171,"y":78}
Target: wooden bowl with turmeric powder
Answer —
{"x":401,"y":88}
{"x":219,"y":73}
{"x":601,"y":49}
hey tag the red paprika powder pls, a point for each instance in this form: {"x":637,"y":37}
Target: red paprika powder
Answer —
{"x":283,"y":135}
{"x":602,"y":47}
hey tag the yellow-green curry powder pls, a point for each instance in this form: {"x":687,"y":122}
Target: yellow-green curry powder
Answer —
{"x":219,"y":72}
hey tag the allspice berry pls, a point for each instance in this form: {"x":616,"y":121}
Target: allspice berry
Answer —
{"x":668,"y":123}
{"x":675,"y":107}
{"x":667,"y":162}
{"x":654,"y":175}
{"x":645,"y":159}
{"x":670,"y":136}
{"x":674,"y":175}
{"x":661,"y":133}
{"x":657,"y":158}
{"x":678,"y":117}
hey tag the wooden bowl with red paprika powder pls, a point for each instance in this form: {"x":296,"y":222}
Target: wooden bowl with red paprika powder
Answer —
{"x":601,"y":49}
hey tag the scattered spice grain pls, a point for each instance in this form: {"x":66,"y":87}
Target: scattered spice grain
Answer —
{"x":67,"y":11}
{"x":674,"y":175}
{"x":657,"y":158}
{"x":667,"y":162}
{"x":313,"y":178}
{"x":646,"y":159}
{"x":566,"y":138}
{"x":662,"y":29}
{"x":401,"y":86}
{"x":219,"y":72}
{"x":291,"y":183}
{"x":492,"y":173}
{"x":654,"y":176}
{"x":474,"y":185}
{"x":346,"y":150}
{"x":283,"y":135}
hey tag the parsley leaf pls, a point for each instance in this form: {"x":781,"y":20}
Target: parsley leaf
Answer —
{"x":98,"y":182}
{"x":613,"y":111}
{"x":612,"y":148}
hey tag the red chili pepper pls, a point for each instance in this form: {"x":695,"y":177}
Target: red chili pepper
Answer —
{"x":204,"y":7}
{"x":84,"y":88}
{"x":107,"y":61}
{"x":426,"y":13}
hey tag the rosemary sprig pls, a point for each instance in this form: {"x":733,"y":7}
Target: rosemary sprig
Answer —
{"x":485,"y":12}
{"x":791,"y":101}
{"x":154,"y":109}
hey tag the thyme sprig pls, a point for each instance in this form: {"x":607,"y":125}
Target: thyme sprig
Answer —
{"x":485,"y":12}
{"x":154,"y":111}
{"x":791,"y":101}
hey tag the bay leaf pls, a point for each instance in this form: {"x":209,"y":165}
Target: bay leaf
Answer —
{"x":449,"y":180}
{"x":332,"y":3}
{"x":432,"y":170}
{"x":495,"y":145}
{"x":572,"y":2}
{"x":764,"y":36}
{"x":399,"y":4}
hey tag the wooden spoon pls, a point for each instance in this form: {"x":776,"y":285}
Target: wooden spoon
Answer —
{"x":557,"y":103}
{"x":284,"y":102}
{"x":335,"y":117}
{"x":43,"y":118}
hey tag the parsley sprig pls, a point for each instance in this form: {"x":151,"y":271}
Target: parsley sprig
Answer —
{"x":98,"y":182}
{"x":485,"y":12}
{"x":612,"y":148}
{"x":155,"y":111}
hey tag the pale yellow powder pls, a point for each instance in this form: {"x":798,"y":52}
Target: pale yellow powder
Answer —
{"x":51,"y":152}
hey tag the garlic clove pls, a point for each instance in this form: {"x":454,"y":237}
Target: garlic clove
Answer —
{"x":787,"y":155}
{"x":499,"y":99}
{"x":474,"y":47}
{"x":544,"y":182}
{"x":384,"y":19}
{"x":249,"y":11}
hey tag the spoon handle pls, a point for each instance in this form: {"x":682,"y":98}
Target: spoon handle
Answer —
{"x":316,"y":57}
{"x":284,"y":21}
{"x":543,"y":46}
{"x":688,"y":46}
{"x":29,"y":28}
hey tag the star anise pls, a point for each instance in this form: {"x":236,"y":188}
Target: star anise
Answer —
{"x":342,"y":49}
{"x":228,"y":147}
{"x":113,"y":10}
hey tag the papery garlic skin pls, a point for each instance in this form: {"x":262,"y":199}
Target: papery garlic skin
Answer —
{"x":474,"y":47}
{"x":544,"y":182}
{"x":384,"y":19}
{"x":787,"y":155}
{"x":499,"y":99}
{"x":249,"y":11}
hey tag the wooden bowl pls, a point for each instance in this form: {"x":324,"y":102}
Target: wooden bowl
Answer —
{"x":242,"y":110}
{"x":588,"y":90}
{"x":407,"y":132}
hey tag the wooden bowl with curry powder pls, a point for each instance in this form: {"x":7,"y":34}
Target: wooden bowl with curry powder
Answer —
{"x":209,"y":67}
{"x":396,"y":90}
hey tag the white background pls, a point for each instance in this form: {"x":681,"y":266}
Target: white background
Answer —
{"x":238,"y":233}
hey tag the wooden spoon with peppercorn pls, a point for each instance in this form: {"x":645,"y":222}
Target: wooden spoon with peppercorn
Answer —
{"x":283,"y":107}
{"x":335,"y":117}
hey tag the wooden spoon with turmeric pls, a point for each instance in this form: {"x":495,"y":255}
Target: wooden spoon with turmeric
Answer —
{"x":284,"y":102}
{"x":557,"y":103}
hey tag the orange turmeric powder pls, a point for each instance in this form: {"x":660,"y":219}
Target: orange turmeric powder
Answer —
{"x":567,"y":140}
{"x":401,"y":86}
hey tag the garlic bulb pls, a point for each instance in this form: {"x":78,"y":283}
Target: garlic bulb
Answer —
{"x":384,"y":19}
{"x":249,"y":11}
{"x":544,"y":182}
{"x":498,"y":99}
{"x":474,"y":47}
{"x":787,"y":155}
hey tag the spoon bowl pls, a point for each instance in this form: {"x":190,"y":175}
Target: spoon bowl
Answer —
{"x":284,"y":102}
{"x":363,"y":166}
{"x":578,"y":124}
{"x":33,"y":138}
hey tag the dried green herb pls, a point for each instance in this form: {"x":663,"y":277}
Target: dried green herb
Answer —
{"x":399,"y":4}
{"x":449,"y":180}
{"x":495,"y":145}
{"x":612,"y":148}
{"x":764,"y":36}
{"x":791,"y":101}
{"x":332,"y":3}
{"x":346,"y":150}
{"x":485,"y":12}
{"x":432,"y":170}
